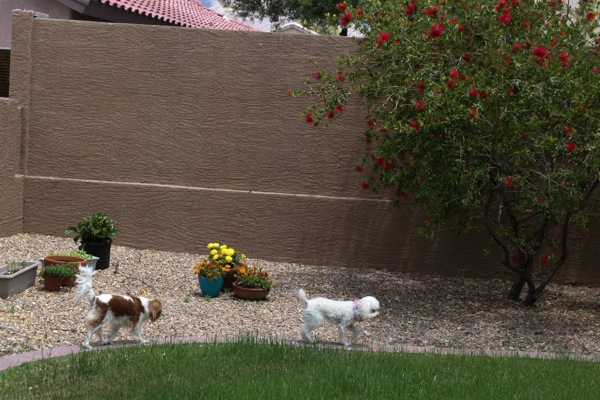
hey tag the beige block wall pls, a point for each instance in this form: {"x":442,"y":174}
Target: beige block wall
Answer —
{"x":11,"y":183}
{"x":185,"y":136}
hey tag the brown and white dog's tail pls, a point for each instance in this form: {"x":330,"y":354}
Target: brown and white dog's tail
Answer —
{"x":84,"y":284}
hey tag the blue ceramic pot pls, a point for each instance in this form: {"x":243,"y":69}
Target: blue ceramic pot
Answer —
{"x":210,"y":288}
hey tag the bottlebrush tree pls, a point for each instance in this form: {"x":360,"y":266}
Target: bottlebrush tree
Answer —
{"x":482,"y":112}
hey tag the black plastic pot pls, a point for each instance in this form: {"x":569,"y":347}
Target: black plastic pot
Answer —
{"x":100,"y":250}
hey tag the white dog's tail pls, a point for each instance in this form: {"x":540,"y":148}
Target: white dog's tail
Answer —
{"x":302,"y":296}
{"x":84,"y":284}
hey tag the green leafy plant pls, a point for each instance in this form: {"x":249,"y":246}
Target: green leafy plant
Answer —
{"x":97,"y":228}
{"x":59,"y":270}
{"x":14,"y":267}
{"x":252,"y":277}
{"x":74,"y":253}
{"x":481,"y":113}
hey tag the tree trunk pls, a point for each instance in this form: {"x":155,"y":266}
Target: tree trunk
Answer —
{"x":515,"y":290}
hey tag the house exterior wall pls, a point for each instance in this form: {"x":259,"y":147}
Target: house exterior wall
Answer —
{"x":50,"y":7}
{"x":186,"y":136}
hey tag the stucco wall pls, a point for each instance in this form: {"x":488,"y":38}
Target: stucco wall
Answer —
{"x":51,"y":8}
{"x":186,"y":136}
{"x":11,"y":183}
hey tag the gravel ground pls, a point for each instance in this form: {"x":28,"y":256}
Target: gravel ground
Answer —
{"x":416,"y":309}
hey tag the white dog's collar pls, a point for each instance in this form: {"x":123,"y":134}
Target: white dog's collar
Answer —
{"x":355,"y":310}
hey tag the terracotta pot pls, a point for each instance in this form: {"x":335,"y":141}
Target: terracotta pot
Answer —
{"x":52,"y":283}
{"x":58,"y":259}
{"x":250,"y":293}
{"x":61,"y":259}
{"x":229,"y":279}
{"x":69,"y":281}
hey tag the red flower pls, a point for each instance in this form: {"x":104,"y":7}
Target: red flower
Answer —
{"x":431,"y":11}
{"x":507,"y":60}
{"x":419,"y":106}
{"x":330,"y":115}
{"x":339,"y":108}
{"x":358,"y":168}
{"x":309,"y":118}
{"x":467,"y":57}
{"x":501,"y":3}
{"x":436,"y":30}
{"x":564,"y":59}
{"x":289,"y":92}
{"x":484,"y":94}
{"x":365,"y":185}
{"x":508,"y":182}
{"x":380,"y":161}
{"x":346,"y":18}
{"x":415,"y":124}
{"x":473,"y":112}
{"x":451,"y":84}
{"x":516,"y":46}
{"x":421,"y":85}
{"x":505,"y":18}
{"x":340,"y":77}
{"x":568,"y":129}
{"x":341,"y":6}
{"x":370,"y":122}
{"x":453,"y":74}
{"x":461,"y":28}
{"x":544,"y":260}
{"x":540,"y":53}
{"x":317,"y":75}
{"x":410,"y":9}
{"x":360,"y":11}
{"x":382,"y":38}
{"x":453,"y":21}
{"x":510,"y":92}
{"x":473,"y":92}
{"x":571,"y":146}
{"x":526,"y":24}
{"x":590,"y":16}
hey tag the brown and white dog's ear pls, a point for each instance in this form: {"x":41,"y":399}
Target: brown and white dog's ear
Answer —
{"x":155,"y":310}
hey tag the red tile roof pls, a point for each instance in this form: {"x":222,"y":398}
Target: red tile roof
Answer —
{"x":190,"y":13}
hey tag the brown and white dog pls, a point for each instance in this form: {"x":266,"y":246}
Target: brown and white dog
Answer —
{"x":114,"y":310}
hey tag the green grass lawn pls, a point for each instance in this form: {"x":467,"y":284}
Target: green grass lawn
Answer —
{"x":250,"y":370}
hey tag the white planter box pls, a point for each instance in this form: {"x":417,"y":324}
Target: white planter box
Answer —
{"x":19,"y":281}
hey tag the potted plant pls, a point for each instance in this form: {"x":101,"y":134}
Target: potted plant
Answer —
{"x":252,"y":283}
{"x":90,"y":259}
{"x":211,"y":271}
{"x":71,"y":261}
{"x":17,"y":276}
{"x":54,"y":274}
{"x":232,"y":258}
{"x":94,"y":235}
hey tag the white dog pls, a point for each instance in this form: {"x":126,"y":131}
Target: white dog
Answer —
{"x":117,"y":311}
{"x":345,"y":314}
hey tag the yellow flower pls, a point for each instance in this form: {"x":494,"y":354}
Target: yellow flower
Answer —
{"x":213,"y":252}
{"x":243,"y":256}
{"x":215,"y":257}
{"x":228,"y":259}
